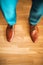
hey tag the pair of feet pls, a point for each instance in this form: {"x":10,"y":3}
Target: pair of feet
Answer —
{"x":33,"y":33}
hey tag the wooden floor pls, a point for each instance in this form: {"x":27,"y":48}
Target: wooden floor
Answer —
{"x":21,"y":51}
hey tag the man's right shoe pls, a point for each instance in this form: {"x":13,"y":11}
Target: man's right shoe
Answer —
{"x":34,"y":32}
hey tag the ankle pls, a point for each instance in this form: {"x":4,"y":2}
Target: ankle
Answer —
{"x":11,"y":26}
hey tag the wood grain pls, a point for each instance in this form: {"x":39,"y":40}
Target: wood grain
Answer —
{"x":21,"y":51}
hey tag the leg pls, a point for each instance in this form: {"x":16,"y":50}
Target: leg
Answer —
{"x":9,"y":11}
{"x":35,"y":14}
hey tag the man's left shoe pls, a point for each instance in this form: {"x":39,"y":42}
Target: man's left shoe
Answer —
{"x":9,"y":33}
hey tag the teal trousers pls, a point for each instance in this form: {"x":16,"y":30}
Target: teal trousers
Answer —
{"x":8,"y":8}
{"x":36,"y":11}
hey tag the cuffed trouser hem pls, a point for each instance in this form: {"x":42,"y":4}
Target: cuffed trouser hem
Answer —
{"x":33,"y":22}
{"x":11,"y":23}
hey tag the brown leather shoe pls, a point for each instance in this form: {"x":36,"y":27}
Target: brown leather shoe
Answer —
{"x":34,"y":32}
{"x":9,"y":33}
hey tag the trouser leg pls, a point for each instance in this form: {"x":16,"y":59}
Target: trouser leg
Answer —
{"x":36,"y":11}
{"x":9,"y":10}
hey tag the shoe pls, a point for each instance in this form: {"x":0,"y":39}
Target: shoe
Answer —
{"x":9,"y":33}
{"x":34,"y":32}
